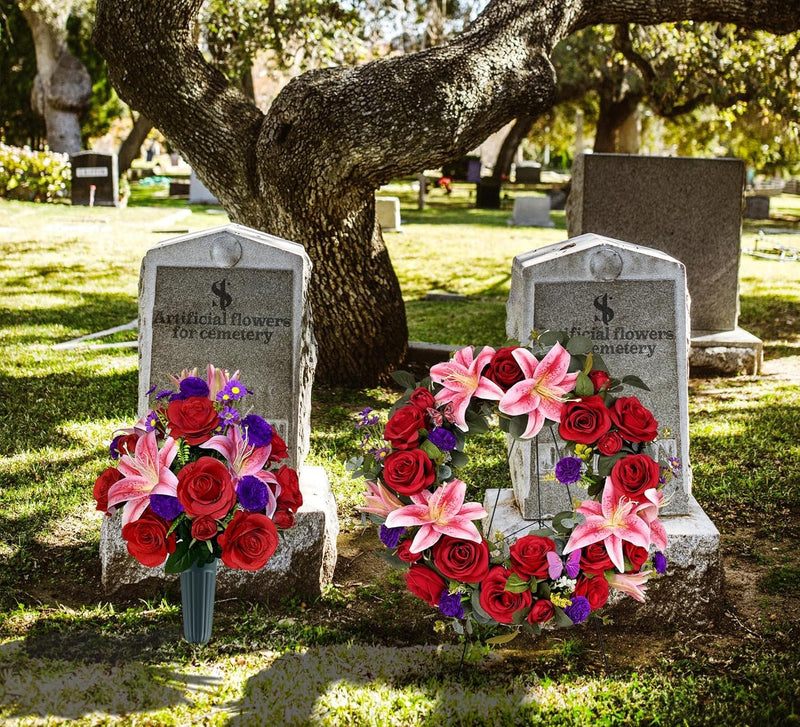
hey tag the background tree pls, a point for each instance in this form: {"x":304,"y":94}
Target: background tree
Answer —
{"x":307,"y":170}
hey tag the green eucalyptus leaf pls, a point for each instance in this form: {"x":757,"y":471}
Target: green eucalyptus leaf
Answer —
{"x":179,"y":560}
{"x":606,"y":464}
{"x":478,"y":613}
{"x":579,"y":345}
{"x":584,"y":385}
{"x":631,"y":380}
{"x":515,"y":584}
{"x":444,"y":472}
{"x":458,"y":459}
{"x":405,"y":379}
{"x":562,"y":619}
{"x":517,"y":426}
{"x":551,"y":338}
{"x":503,"y":638}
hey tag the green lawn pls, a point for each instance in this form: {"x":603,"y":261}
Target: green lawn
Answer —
{"x":366,"y":652}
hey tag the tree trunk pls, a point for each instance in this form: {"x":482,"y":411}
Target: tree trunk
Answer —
{"x":132,"y":144}
{"x":309,"y":168}
{"x":62,"y":89}
{"x":521,"y":128}
{"x":613,"y":117}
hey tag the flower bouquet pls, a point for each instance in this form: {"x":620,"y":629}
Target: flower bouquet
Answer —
{"x":560,"y":572}
{"x":198,"y":481}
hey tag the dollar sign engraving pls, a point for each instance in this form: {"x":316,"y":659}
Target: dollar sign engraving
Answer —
{"x":601,"y":303}
{"x":218,"y":289}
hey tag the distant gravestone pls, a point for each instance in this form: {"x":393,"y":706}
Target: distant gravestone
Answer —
{"x":238,"y":298}
{"x":632,"y":302}
{"x":95,"y":179}
{"x":387,"y":211}
{"x":756,"y":207}
{"x":528,"y":173}
{"x":531,"y":211}
{"x":199,"y":193}
{"x":474,"y":171}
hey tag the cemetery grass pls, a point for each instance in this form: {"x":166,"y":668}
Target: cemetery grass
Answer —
{"x":366,"y":652}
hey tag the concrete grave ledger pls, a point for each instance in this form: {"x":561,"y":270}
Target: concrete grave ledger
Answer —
{"x":238,"y":299}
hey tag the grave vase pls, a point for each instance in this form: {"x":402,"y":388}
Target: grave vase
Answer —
{"x":198,"y":585}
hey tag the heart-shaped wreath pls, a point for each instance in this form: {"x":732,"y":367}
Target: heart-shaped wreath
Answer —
{"x":560,"y":572}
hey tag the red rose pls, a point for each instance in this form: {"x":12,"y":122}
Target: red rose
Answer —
{"x":595,"y":560}
{"x":125,"y":444}
{"x":634,"y":474}
{"x":146,"y":539}
{"x":542,"y":611}
{"x":278,"y":451}
{"x":529,"y":556}
{"x":205,"y":488}
{"x":422,"y":399}
{"x":404,"y":552}
{"x":461,"y":560}
{"x":290,"y":498}
{"x":599,"y":379}
{"x":402,"y":430}
{"x":594,"y":590}
{"x":102,"y":485}
{"x":204,"y":527}
{"x":636,"y":555}
{"x":503,"y":369}
{"x":610,"y":443}
{"x":584,"y":420}
{"x":249,"y":540}
{"x":283,"y":519}
{"x":499,"y":603}
{"x":409,"y":471}
{"x":193,"y":419}
{"x":634,"y":421}
{"x":425,"y":584}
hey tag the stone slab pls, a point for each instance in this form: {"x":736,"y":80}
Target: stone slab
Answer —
{"x":689,"y":208}
{"x":95,"y":179}
{"x":199,"y":193}
{"x":531,"y":211}
{"x":303,"y":564}
{"x":688,"y":595}
{"x":387,"y":212}
{"x":631,"y":301}
{"x":727,"y":352}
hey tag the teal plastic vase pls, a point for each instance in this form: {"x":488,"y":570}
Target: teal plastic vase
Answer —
{"x":198,"y":585}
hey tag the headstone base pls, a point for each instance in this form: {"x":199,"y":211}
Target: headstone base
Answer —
{"x":302,"y":566}
{"x":726,"y":352}
{"x":691,"y":592}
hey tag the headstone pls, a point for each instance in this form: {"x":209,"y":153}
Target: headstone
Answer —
{"x":632,"y":302}
{"x":528,"y":173}
{"x":558,"y":198}
{"x":474,"y":170}
{"x":95,"y":179}
{"x":487,"y":194}
{"x":531,"y":211}
{"x":387,"y":211}
{"x":756,"y":207}
{"x":198,"y":192}
{"x":689,"y":208}
{"x":179,"y":187}
{"x":238,"y":298}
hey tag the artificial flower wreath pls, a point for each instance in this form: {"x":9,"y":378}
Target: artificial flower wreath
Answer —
{"x":560,"y":572}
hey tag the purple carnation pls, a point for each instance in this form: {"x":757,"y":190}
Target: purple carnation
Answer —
{"x":166,"y":506}
{"x":568,"y":470}
{"x":253,"y":493}
{"x":257,"y":430}
{"x":579,"y":610}
{"x":444,"y":439}
{"x":660,"y":562}
{"x":450,"y":604}
{"x":390,"y":537}
{"x":112,"y":448}
{"x":193,"y":386}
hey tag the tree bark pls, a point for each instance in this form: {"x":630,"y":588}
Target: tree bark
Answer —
{"x":62,"y":89}
{"x":309,"y":168}
{"x":614,"y":114}
{"x":131,"y":146}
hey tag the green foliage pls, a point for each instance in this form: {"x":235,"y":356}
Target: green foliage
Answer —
{"x":34,"y":176}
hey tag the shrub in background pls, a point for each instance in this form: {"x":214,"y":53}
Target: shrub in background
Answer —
{"x":33,"y":176}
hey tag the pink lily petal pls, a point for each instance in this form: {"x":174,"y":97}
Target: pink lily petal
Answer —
{"x":658,"y":534}
{"x":631,"y":583}
{"x":379,"y":500}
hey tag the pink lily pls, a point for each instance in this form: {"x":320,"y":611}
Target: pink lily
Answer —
{"x":146,"y":473}
{"x":379,"y":500}
{"x":243,"y":459}
{"x":462,"y":379}
{"x":648,"y":511}
{"x":612,"y":520}
{"x":634,"y":584}
{"x":438,"y":513}
{"x":541,"y":394}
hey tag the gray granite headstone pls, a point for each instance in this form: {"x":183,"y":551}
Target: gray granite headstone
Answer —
{"x":528,"y":173}
{"x":237,"y":298}
{"x":631,"y":301}
{"x":199,"y":193}
{"x":689,"y":208}
{"x":756,"y":207}
{"x":95,"y":179}
{"x":531,"y":211}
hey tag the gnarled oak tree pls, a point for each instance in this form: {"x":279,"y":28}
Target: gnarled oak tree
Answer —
{"x":307,"y":170}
